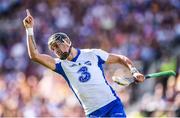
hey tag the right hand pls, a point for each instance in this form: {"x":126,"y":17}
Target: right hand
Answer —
{"x":29,"y":20}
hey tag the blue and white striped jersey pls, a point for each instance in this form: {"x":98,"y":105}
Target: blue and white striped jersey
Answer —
{"x":85,"y":76}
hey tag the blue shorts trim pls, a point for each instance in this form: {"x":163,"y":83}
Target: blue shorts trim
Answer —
{"x":113,"y":109}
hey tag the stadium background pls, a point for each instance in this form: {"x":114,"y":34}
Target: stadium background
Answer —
{"x":146,"y":31}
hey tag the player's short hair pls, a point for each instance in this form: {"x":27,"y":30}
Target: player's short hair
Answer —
{"x":58,"y":37}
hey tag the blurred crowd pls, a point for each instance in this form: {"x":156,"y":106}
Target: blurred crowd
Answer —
{"x":146,"y":31}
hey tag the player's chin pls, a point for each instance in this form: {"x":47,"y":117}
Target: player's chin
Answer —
{"x":58,"y":55}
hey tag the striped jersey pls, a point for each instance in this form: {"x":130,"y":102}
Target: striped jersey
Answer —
{"x":85,"y":76}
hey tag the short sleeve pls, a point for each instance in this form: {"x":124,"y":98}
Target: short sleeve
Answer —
{"x":101,"y":54}
{"x":58,"y":66}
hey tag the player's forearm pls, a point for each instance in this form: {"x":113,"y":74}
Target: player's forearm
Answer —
{"x":114,"y":59}
{"x":31,"y":45}
{"x":125,"y":61}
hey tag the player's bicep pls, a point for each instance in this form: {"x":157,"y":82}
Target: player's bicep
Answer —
{"x":113,"y":58}
{"x":46,"y":60}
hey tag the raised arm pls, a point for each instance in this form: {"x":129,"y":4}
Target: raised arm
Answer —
{"x":114,"y":58}
{"x":33,"y":52}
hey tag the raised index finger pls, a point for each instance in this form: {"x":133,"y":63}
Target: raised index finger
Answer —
{"x":28,"y":13}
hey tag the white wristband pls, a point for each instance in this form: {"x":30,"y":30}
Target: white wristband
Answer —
{"x":133,"y":70}
{"x":29,"y":31}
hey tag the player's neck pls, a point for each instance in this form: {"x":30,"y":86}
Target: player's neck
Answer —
{"x":72,"y":54}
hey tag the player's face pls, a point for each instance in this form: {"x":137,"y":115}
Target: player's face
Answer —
{"x":59,"y":48}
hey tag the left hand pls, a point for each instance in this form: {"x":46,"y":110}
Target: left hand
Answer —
{"x":139,"y":77}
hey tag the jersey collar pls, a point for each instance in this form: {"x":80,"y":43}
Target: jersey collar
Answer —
{"x":76,"y":57}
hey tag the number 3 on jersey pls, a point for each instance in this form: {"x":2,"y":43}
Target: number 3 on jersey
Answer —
{"x":85,"y":75}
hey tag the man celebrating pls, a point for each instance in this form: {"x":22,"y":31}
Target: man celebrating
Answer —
{"x":82,"y":69}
